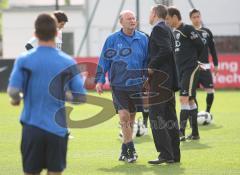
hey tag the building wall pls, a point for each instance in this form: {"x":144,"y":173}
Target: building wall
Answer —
{"x":18,"y":28}
{"x":220,"y":16}
{"x":42,"y":2}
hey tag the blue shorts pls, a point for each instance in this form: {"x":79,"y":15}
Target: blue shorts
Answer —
{"x":42,"y":150}
{"x":128,"y":100}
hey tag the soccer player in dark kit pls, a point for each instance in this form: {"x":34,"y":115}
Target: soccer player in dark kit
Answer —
{"x":188,"y":48}
{"x":205,"y":77}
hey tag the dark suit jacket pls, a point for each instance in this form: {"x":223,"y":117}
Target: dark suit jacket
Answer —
{"x":161,"y":54}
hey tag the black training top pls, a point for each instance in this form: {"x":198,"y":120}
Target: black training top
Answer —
{"x":208,"y":41}
{"x":188,"y":47}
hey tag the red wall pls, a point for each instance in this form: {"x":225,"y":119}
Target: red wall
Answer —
{"x":89,"y":66}
{"x":228,"y":76}
{"x":229,"y":71}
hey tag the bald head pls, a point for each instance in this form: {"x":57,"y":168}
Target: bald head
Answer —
{"x":126,"y":13}
{"x":128,"y":20}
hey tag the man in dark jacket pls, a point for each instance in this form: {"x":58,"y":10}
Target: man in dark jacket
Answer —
{"x":163,"y":83}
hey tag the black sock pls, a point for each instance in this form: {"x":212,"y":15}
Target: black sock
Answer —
{"x":190,"y":117}
{"x":184,"y":114}
{"x":130,"y":146}
{"x":145,"y":118}
{"x":209,"y":100}
{"x":193,"y":113}
{"x":124,"y":149}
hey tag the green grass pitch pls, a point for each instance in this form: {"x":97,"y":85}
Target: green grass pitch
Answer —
{"x":95,"y":150}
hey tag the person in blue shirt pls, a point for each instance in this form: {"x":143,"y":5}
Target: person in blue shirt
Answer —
{"x":39,"y":77}
{"x":124,"y":58}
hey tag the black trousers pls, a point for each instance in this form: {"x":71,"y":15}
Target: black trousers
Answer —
{"x":162,"y":115}
{"x":165,"y":129}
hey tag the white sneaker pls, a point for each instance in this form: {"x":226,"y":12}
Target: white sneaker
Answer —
{"x":145,"y":131}
{"x":71,"y":137}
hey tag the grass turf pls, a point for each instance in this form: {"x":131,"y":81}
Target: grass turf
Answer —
{"x":95,"y":150}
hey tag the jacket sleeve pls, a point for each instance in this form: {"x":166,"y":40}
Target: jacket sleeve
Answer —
{"x":76,"y":84}
{"x":212,"y":48}
{"x":104,"y":62}
{"x":16,"y":79}
{"x":160,"y":47}
{"x":146,"y":57}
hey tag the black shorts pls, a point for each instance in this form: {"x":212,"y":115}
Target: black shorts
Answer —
{"x":128,"y":100}
{"x":42,"y":150}
{"x":188,"y":82}
{"x":205,"y":79}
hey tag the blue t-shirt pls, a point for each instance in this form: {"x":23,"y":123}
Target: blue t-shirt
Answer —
{"x":125,"y":59}
{"x":42,"y":75}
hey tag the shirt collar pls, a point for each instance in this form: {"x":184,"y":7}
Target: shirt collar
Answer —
{"x":158,"y":21}
{"x":182,"y":24}
{"x":134,"y":36}
{"x":200,"y":27}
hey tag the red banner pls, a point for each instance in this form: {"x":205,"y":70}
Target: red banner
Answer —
{"x":88,"y":67}
{"x":229,"y":72}
{"x":227,"y":77}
